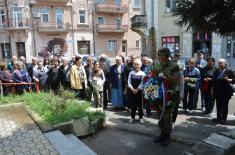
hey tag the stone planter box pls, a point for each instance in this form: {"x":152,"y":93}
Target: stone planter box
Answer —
{"x":79,"y":127}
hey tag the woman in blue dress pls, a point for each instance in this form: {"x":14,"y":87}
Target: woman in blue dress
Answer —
{"x":117,"y":76}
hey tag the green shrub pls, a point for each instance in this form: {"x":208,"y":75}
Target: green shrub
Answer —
{"x":53,"y":108}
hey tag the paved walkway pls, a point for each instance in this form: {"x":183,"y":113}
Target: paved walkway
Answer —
{"x":19,"y":135}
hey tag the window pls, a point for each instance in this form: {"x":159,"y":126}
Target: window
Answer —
{"x":20,"y":49}
{"x":82,"y":17}
{"x":112,"y":45}
{"x":100,"y":20}
{"x":60,"y":18}
{"x":84,"y":47}
{"x":17,"y":13}
{"x":171,"y":42}
{"x":124,"y":46}
{"x":100,"y":1}
{"x":2,"y":17}
{"x":136,"y":4}
{"x":137,"y":44}
{"x":170,"y":6}
{"x":45,"y":14}
{"x":6,"y":50}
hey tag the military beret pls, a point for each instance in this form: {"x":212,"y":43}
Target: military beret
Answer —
{"x":165,"y":51}
{"x":200,"y":51}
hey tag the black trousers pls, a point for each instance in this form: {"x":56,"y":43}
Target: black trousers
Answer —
{"x":190,"y":98}
{"x":6,"y":90}
{"x":106,"y":95}
{"x":222,"y":108}
{"x":209,"y":101}
{"x":175,"y":112}
{"x":136,"y":103}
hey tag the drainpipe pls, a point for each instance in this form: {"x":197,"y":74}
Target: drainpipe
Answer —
{"x":9,"y":37}
{"x":93,"y":32}
{"x":32,"y":23}
{"x":72,"y":20}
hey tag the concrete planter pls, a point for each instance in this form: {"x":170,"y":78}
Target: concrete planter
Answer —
{"x":79,"y":127}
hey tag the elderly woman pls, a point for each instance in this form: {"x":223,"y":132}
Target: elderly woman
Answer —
{"x":191,"y":77}
{"x":117,"y":76}
{"x":97,"y":80}
{"x":20,"y":75}
{"x":223,"y":77}
{"x":63,"y":73}
{"x":5,"y":77}
{"x":135,"y":85}
{"x":78,"y":79}
{"x":41,"y":74}
{"x":53,"y":78}
{"x":208,"y":85}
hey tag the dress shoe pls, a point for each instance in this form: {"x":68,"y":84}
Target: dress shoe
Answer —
{"x":158,"y":139}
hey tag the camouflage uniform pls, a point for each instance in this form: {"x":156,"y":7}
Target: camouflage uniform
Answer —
{"x":171,"y":72}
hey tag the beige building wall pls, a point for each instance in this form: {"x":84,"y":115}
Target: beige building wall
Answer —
{"x":128,"y":36}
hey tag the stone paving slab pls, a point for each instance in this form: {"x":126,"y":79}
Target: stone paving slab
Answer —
{"x":20,"y":135}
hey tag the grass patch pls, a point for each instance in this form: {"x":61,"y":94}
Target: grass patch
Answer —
{"x":53,"y":108}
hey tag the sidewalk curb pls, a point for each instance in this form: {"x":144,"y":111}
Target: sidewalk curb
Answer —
{"x":152,"y":131}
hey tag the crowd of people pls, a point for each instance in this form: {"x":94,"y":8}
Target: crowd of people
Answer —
{"x":121,"y":84}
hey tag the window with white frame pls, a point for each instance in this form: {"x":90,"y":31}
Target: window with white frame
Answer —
{"x":170,"y":6}
{"x":136,"y":4}
{"x":112,"y":45}
{"x":82,"y":16}
{"x":101,"y":20}
{"x":2,"y":17}
{"x":59,"y":17}
{"x":137,"y":44}
{"x":45,"y":12}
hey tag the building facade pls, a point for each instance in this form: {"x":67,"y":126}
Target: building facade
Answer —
{"x":67,"y":27}
{"x":113,"y":34}
{"x":159,"y":15}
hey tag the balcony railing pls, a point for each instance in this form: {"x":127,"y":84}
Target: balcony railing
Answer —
{"x":139,"y":21}
{"x":53,"y":1}
{"x":111,"y":28}
{"x":16,"y":23}
{"x":53,"y":27}
{"x":110,"y":8}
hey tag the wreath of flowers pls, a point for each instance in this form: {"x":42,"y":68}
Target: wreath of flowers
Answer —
{"x":157,"y":89}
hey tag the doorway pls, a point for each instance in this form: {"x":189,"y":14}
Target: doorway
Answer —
{"x":21,"y":49}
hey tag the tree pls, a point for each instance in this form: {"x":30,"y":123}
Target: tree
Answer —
{"x":206,"y":15}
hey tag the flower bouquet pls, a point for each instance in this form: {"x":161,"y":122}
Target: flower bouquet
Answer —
{"x":157,"y":90}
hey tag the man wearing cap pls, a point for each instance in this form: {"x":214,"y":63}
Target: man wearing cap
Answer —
{"x":200,"y":64}
{"x":168,"y":70}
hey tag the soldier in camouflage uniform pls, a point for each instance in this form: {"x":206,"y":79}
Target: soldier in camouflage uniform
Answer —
{"x":168,"y":70}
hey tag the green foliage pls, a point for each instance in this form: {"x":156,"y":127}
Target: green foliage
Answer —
{"x":206,"y":15}
{"x":10,"y":99}
{"x":53,"y":108}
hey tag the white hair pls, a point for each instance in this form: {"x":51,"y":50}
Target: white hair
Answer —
{"x":150,"y":60}
{"x":65,"y":59}
{"x":118,"y":58}
{"x":19,"y":63}
{"x":138,"y":61}
{"x":223,"y":61}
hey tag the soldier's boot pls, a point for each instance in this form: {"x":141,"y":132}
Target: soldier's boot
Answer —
{"x":166,"y":140}
{"x":159,"y":138}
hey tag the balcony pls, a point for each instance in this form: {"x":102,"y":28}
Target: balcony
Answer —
{"x":139,"y":21}
{"x":111,"y":28}
{"x":16,"y":23}
{"x":110,"y":8}
{"x":53,"y":27}
{"x":53,"y":1}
